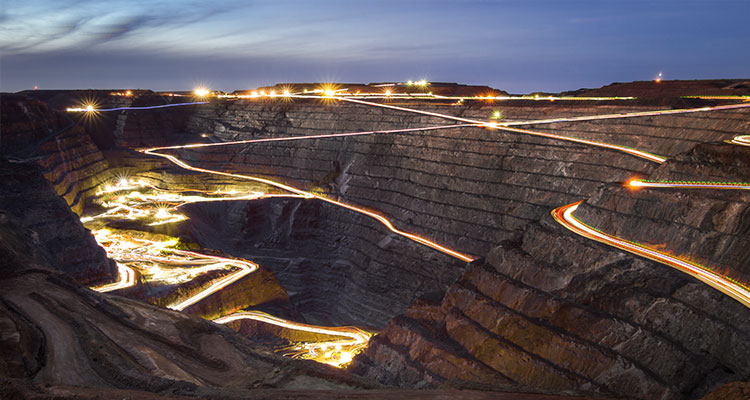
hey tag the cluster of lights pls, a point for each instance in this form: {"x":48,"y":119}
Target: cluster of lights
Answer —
{"x":126,"y":93}
{"x":417,"y":83}
{"x":158,"y":260}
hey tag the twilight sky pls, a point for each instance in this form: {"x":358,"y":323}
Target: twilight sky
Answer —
{"x":519,"y":46}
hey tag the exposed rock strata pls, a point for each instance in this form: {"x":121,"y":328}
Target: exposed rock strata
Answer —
{"x":28,"y":198}
{"x":546,"y":309}
{"x":562,"y":313}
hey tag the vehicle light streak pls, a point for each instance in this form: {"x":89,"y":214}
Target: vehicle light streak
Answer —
{"x":625,"y":115}
{"x":564,"y":216}
{"x":310,"y":137}
{"x":638,"y":183}
{"x":92,"y":109}
{"x":494,"y":125}
{"x":336,"y":352}
{"x":126,"y":279}
{"x":742,"y":140}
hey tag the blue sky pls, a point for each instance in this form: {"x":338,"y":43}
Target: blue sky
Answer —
{"x":519,"y":46}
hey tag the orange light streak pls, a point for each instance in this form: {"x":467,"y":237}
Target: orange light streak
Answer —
{"x":126,"y":279}
{"x":626,"y":115}
{"x":742,"y":140}
{"x":337,"y":353}
{"x":564,"y":216}
{"x":494,"y":125}
{"x":637,"y":183}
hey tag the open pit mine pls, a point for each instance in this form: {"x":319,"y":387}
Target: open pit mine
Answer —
{"x":377,"y":241}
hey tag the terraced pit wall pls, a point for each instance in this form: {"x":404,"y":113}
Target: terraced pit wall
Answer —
{"x":515,"y":318}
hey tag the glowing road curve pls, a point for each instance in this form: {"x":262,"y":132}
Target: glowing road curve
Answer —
{"x":336,"y":353}
{"x":564,"y":216}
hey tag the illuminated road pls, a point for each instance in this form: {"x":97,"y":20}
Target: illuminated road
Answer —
{"x":157,"y":260}
{"x":126,"y":279}
{"x":334,"y":352}
{"x":564,"y":216}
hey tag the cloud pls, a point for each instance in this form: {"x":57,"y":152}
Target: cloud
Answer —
{"x":44,"y":26}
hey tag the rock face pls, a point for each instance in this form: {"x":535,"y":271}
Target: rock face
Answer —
{"x":55,"y":332}
{"x":58,"y":143}
{"x":31,"y":201}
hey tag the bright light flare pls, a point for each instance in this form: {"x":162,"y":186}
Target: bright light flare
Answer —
{"x":201,"y":92}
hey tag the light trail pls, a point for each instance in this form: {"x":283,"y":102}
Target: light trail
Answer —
{"x":177,"y":266}
{"x":309,"y":195}
{"x":90,"y":108}
{"x":742,"y":140}
{"x":743,"y":98}
{"x":246,"y":268}
{"x":309,"y":137}
{"x":625,"y":115}
{"x":148,"y":256}
{"x":126,"y":280}
{"x":638,"y":183}
{"x":336,"y":352}
{"x":494,"y":125}
{"x":564,"y":216}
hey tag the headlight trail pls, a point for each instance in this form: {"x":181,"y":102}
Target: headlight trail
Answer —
{"x":335,"y":352}
{"x":92,"y":109}
{"x":742,"y":140}
{"x":246,"y":268}
{"x":126,"y":280}
{"x":494,"y":125}
{"x":638,"y":183}
{"x":157,"y":260}
{"x":310,"y":137}
{"x":624,"y":115}
{"x":383,"y":220}
{"x":564,"y":216}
